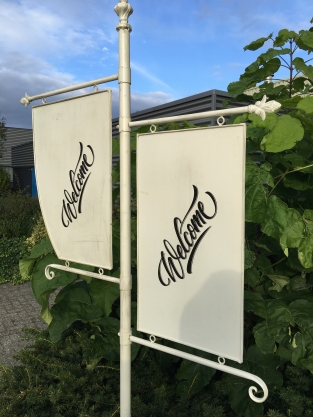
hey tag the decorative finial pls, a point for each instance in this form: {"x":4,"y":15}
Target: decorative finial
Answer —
{"x":262,"y":107}
{"x":123,"y":10}
{"x":25,"y":100}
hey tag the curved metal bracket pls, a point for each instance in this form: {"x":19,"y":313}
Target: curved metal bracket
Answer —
{"x":50,"y":274}
{"x":219,"y":366}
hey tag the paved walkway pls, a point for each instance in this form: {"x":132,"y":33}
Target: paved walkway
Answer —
{"x":18,"y":309}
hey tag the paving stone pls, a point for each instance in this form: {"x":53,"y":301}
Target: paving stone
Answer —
{"x":18,"y":310}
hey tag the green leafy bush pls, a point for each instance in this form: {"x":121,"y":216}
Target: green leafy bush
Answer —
{"x":19,"y":213}
{"x":11,"y":251}
{"x":54,"y":379}
{"x":4,"y":180}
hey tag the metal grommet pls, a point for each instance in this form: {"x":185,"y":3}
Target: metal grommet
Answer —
{"x":153,"y":128}
{"x":152,"y":338}
{"x":95,"y":88}
{"x":100,"y":270}
{"x":221,"y":360}
{"x":43,"y":100}
{"x":220,"y":121}
{"x":67,"y":264}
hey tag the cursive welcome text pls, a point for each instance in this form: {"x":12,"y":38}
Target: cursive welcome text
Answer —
{"x":72,"y":203}
{"x":189,"y":235}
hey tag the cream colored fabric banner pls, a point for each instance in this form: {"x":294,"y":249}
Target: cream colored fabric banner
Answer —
{"x":73,"y":163}
{"x":190,"y":188}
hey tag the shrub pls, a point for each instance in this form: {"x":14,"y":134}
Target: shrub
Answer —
{"x":4,"y":180}
{"x":39,"y":232}
{"x":11,"y":251}
{"x":19,"y":212}
{"x":53,"y":379}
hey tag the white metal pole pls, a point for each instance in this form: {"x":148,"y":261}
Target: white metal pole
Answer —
{"x":124,"y":10}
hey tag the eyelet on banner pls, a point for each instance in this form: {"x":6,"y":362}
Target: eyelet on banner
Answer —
{"x":100,"y":270}
{"x":220,"y":121}
{"x":153,"y":128}
{"x":221,"y":360}
{"x":152,"y":338}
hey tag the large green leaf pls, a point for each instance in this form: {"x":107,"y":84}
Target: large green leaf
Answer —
{"x":293,"y":181}
{"x":283,"y":36}
{"x":300,"y":65}
{"x":256,"y":202}
{"x":239,"y":87}
{"x":67,"y":311}
{"x":305,"y":252}
{"x":306,"y":103}
{"x":252,"y":276}
{"x":293,"y":231}
{"x":103,"y":294}
{"x":249,"y":258}
{"x":253,"y":46}
{"x":283,"y":223}
{"x":42,"y":248}
{"x":264,"y":366}
{"x":269,"y":122}
{"x":266,"y":69}
{"x":193,"y":377}
{"x":302,"y":311}
{"x":298,"y":349}
{"x":287,"y":132}
{"x":276,"y":313}
{"x":263,"y":338}
{"x":106,"y":342}
{"x":272,"y":53}
{"x":276,"y":217}
{"x":26,"y":266}
{"x":306,"y":40}
{"x":42,"y":287}
{"x":279,"y":282}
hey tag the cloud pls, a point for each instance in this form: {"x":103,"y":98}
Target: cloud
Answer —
{"x":143,"y":71}
{"x":42,"y":29}
{"x":21,"y":73}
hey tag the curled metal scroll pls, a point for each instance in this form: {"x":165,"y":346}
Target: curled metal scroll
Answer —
{"x":50,"y":274}
{"x":220,"y":366}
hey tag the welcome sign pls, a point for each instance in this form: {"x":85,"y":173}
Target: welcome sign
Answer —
{"x":73,"y":162}
{"x":190,"y":190}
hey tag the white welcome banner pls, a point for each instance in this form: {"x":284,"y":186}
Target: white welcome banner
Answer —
{"x":190,"y":188}
{"x":73,"y":161}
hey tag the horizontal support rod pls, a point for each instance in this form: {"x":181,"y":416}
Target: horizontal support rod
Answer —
{"x":27,"y":99}
{"x":211,"y":364}
{"x":50,"y":274}
{"x":260,"y":107}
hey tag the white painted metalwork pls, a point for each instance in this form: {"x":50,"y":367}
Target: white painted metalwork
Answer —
{"x":124,"y":10}
{"x":260,"y":108}
{"x":28,"y":99}
{"x":50,"y":274}
{"x":218,"y":366}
